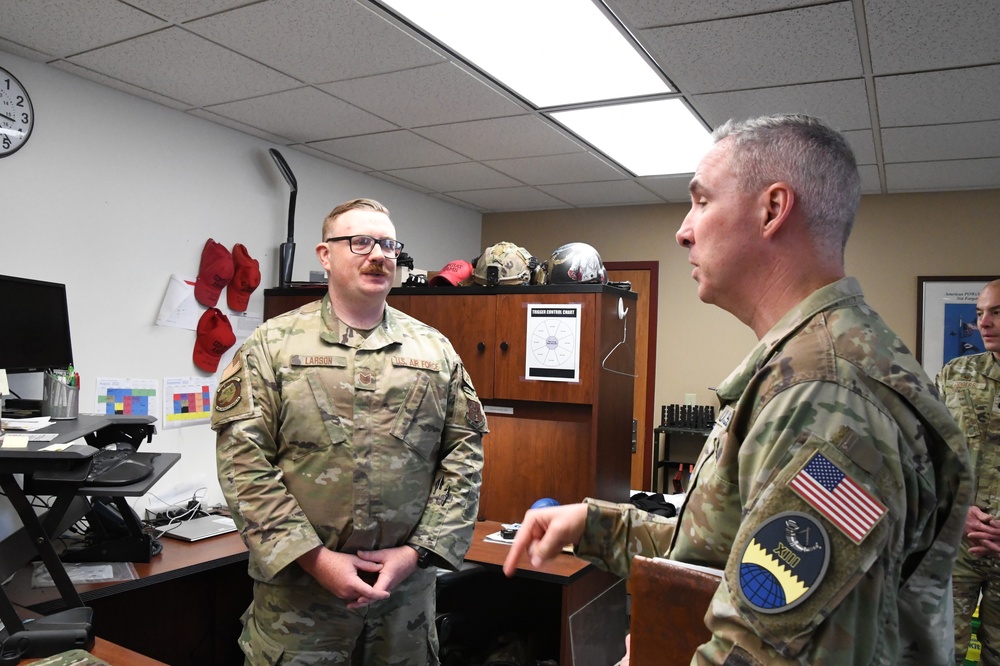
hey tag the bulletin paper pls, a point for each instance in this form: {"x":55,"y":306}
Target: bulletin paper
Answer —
{"x":553,"y":335}
{"x":187,"y":401}
{"x":136,"y":397}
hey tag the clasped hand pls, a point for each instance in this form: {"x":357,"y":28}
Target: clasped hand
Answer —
{"x":983,"y":532}
{"x":345,"y":575}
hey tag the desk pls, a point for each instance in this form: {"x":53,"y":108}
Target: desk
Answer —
{"x":196,"y":592}
{"x":60,"y":474}
{"x":183,"y":609}
{"x":567,"y":598}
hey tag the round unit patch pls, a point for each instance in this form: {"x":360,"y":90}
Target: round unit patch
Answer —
{"x":783,"y":562}
{"x":228,"y":394}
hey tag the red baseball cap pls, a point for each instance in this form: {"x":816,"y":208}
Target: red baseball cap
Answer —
{"x":214,"y":274}
{"x":454,"y":273}
{"x":215,"y":337}
{"x":246,"y":278}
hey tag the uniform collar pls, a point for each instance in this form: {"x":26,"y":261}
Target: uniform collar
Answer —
{"x":844,"y":292}
{"x":339,"y":333}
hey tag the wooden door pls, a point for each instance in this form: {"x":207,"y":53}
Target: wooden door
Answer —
{"x":513,"y":345}
{"x":469,"y":322}
{"x":643,"y":276}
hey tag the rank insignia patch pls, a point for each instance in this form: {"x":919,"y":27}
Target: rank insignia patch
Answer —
{"x":783,"y":562}
{"x":841,"y":500}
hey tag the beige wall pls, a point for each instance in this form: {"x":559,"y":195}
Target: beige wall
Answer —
{"x":896,"y":238}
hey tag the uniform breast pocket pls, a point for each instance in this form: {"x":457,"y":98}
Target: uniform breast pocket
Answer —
{"x":420,"y":419}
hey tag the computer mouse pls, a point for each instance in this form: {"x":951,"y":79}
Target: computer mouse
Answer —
{"x":120,"y":446}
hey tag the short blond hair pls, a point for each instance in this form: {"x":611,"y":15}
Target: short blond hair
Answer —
{"x":353,"y":204}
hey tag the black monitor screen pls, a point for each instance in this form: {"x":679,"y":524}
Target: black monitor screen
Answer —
{"x":34,"y":334}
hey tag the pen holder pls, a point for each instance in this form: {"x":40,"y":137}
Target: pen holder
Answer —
{"x":60,"y":401}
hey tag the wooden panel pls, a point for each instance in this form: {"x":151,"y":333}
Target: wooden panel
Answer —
{"x":276,"y":303}
{"x":400,"y":302}
{"x":534,"y":455}
{"x":469,"y":322}
{"x":642,"y":410}
{"x":512,"y":320}
{"x":669,"y":603}
{"x":613,"y":389}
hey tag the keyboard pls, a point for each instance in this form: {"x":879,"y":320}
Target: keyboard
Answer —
{"x":113,"y":467}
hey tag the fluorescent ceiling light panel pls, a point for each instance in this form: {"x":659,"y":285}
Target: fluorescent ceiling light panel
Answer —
{"x":551,"y":52}
{"x":647,"y":138}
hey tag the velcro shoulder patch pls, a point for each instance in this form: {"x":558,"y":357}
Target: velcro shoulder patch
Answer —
{"x":837,"y":497}
{"x":783,"y":562}
{"x":234,"y":395}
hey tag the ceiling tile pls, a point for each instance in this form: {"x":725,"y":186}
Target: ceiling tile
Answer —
{"x":317,"y":41}
{"x":552,"y":169}
{"x":611,"y":193}
{"x":185,"y":10}
{"x":863,"y":144}
{"x":655,"y":13}
{"x":668,"y":188}
{"x":436,"y":95}
{"x":185,"y":67}
{"x":931,"y":98}
{"x":499,"y":138}
{"x":941,"y":142}
{"x":454,"y":177}
{"x":242,"y":127}
{"x":326,"y":157}
{"x":951,"y":175}
{"x":390,"y":150}
{"x":509,"y":198}
{"x":929,"y":34}
{"x":64,"y":27}
{"x":870,"y":182}
{"x":85,"y":73}
{"x":317,"y":115}
{"x":8,"y":46}
{"x":842,"y":104}
{"x":794,"y":46}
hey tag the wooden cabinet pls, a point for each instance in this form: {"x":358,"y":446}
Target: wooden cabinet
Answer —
{"x":489,"y":332}
{"x":558,"y":439}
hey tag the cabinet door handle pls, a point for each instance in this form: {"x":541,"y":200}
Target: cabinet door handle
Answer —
{"x":481,"y":346}
{"x":504,"y":346}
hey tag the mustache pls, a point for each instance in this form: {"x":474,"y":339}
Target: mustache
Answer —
{"x":376,"y":269}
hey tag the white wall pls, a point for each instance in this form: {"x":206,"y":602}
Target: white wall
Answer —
{"x":112,"y":194}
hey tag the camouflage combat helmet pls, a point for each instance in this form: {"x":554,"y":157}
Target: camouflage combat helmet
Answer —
{"x":507,"y":264}
{"x":576,"y":263}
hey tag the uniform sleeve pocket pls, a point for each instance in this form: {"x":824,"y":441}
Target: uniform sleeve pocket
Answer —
{"x":421,"y":417}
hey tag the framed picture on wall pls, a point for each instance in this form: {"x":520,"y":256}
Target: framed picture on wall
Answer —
{"x":946,"y":319}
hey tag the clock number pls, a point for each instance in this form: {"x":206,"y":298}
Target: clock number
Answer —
{"x":6,"y":142}
{"x":24,"y":117}
{"x":20,"y":101}
{"x":6,"y":82}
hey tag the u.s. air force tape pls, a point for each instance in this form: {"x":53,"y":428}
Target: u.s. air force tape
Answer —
{"x":783,"y":562}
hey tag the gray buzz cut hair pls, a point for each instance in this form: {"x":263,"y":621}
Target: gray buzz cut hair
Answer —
{"x":809,"y":155}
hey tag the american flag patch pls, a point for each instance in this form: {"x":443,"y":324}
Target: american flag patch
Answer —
{"x":847,"y":505}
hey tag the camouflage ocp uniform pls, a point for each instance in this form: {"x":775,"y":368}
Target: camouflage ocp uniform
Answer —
{"x":353,"y":441}
{"x":832,"y":492}
{"x":970,"y":386}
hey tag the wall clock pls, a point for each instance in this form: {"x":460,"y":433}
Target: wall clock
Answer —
{"x":17,"y":117}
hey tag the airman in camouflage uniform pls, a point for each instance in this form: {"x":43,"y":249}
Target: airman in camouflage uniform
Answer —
{"x":970,"y":386}
{"x":834,"y":485}
{"x":349,"y":443}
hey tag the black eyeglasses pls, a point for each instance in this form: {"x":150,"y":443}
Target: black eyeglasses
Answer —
{"x":391,"y":248}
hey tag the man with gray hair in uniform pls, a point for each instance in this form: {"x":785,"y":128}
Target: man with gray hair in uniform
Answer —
{"x":834,"y":485}
{"x":970,"y":386}
{"x":350,"y":453}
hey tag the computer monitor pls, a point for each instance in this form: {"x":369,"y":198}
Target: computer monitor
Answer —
{"x":36,"y":335}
